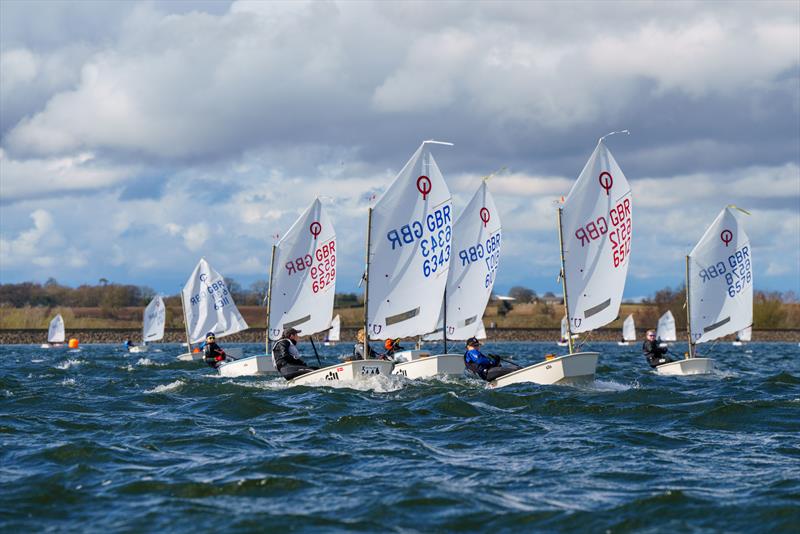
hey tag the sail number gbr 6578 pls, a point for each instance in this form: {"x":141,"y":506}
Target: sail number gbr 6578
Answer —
{"x":321,"y":265}
{"x":619,"y":232}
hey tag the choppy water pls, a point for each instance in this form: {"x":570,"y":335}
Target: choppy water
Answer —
{"x":100,"y":440}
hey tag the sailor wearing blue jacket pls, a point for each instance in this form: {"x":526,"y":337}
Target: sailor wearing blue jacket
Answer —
{"x":486,"y":367}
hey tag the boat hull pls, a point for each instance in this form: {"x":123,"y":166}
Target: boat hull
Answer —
{"x":138,"y":349}
{"x":190,"y":357}
{"x":345,"y":372}
{"x":250,"y":366}
{"x":690,"y":366}
{"x":426,"y":365}
{"x":568,"y":369}
{"x":624,"y":343}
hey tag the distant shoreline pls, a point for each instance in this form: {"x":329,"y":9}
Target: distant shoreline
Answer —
{"x":256,"y":335}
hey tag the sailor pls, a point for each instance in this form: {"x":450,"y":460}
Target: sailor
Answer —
{"x":392,"y":346}
{"x":128,"y":344}
{"x":653,"y":351}
{"x":213,"y":354}
{"x":287,"y":357}
{"x":486,"y":367}
{"x":358,"y":349}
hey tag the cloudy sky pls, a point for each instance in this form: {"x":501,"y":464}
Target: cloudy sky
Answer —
{"x":136,"y":137}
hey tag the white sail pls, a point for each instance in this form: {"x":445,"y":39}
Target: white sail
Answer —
{"x":304,"y":275}
{"x":154,"y":320}
{"x":665,"y":331}
{"x":56,"y":334}
{"x":596,"y":221}
{"x":564,"y":333}
{"x":208,"y":305}
{"x":720,"y":280}
{"x":481,"y":333}
{"x":629,"y":329}
{"x":745,"y":334}
{"x":409,"y":251}
{"x":473,"y":267}
{"x":336,"y":326}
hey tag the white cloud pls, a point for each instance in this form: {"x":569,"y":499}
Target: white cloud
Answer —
{"x":196,"y":236}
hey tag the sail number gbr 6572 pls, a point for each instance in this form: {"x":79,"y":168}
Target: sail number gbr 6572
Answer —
{"x":321,"y":266}
{"x":619,"y":231}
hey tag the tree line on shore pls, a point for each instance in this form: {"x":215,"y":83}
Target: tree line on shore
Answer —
{"x":771,"y":310}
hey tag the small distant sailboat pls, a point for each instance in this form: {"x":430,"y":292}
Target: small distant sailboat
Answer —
{"x":153,"y":323}
{"x":665,"y":331}
{"x":56,"y":334}
{"x":208,"y":307}
{"x":471,"y":275}
{"x":719,"y":290}
{"x":334,"y":332}
{"x":743,"y":336}
{"x":595,"y":226}
{"x":628,"y":332}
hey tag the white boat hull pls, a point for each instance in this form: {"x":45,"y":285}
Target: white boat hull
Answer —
{"x":623,"y":343}
{"x":138,"y":348}
{"x":691,"y":366}
{"x":49,"y":346}
{"x":250,"y":366}
{"x":345,"y":372}
{"x":190,"y":357}
{"x":562,"y":344}
{"x":737,"y":343}
{"x":425,"y":365}
{"x":570,"y":368}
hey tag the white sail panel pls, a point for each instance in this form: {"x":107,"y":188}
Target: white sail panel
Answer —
{"x":596,"y":223}
{"x":209,"y":306}
{"x":665,"y":331}
{"x":154,"y":320}
{"x":304,"y":275}
{"x":629,"y":329}
{"x":336,"y":327}
{"x":56,"y":333}
{"x":410,"y":250}
{"x":481,"y":333}
{"x":721,"y":280}
{"x":745,"y":334}
{"x":473,"y":267}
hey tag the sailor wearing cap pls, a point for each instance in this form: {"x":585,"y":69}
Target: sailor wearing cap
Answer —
{"x":287,"y":357}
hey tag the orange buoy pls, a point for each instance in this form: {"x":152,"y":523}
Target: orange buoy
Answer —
{"x":196,"y":350}
{"x":73,"y":343}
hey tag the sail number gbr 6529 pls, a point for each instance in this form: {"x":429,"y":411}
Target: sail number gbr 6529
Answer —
{"x":321,"y":265}
{"x":619,"y":231}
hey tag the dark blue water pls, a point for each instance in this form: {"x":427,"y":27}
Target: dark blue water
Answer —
{"x":100,"y":440}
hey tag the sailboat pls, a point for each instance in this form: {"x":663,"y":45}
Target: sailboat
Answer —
{"x":719,"y":290}
{"x":742,"y":336}
{"x":55,"y":333}
{"x":406,"y":262}
{"x":471,"y":275}
{"x":665,"y":331}
{"x":628,"y":332}
{"x":595,"y":224}
{"x":333,"y":332}
{"x":302,"y":285}
{"x":208,"y":307}
{"x":153,"y":323}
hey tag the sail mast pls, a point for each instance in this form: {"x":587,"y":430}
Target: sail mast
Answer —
{"x":564,"y":279}
{"x":688,"y":313}
{"x":186,"y":322}
{"x":444,"y":321}
{"x":366,"y":285}
{"x":269,"y":293}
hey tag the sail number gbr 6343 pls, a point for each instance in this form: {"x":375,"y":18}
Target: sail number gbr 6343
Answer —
{"x":434,"y":235}
{"x":619,"y":231}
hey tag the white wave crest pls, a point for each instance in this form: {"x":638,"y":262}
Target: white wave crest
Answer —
{"x":69,"y":363}
{"x":172,"y":386}
{"x":145,"y":362}
{"x":68,"y":382}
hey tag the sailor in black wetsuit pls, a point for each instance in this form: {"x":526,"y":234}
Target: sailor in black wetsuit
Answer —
{"x":287,"y":357}
{"x":213,"y":354}
{"x":655,"y":354}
